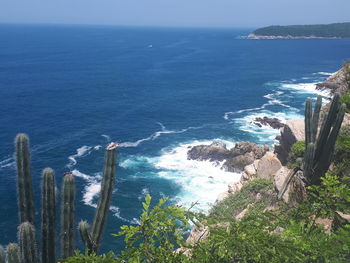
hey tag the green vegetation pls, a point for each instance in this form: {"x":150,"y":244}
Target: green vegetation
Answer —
{"x":340,"y":30}
{"x":282,"y":235}
{"x":319,"y":149}
{"x":234,"y":204}
{"x":251,"y":225}
{"x":296,"y":155}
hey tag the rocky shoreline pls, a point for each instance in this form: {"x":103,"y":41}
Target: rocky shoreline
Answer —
{"x":254,"y":36}
{"x":262,"y":161}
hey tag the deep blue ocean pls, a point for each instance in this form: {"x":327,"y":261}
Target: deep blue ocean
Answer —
{"x":157,"y":91}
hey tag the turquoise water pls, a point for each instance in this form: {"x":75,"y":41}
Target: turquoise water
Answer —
{"x":158,"y":91}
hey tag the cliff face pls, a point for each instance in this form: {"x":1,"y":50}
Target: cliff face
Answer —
{"x":338,"y":82}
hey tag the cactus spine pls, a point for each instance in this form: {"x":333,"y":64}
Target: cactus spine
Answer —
{"x":319,"y":150}
{"x":24,"y":179}
{"x":92,"y":239}
{"x":13,"y":253}
{"x":68,"y":208}
{"x":26,"y":238}
{"x":48,"y":216}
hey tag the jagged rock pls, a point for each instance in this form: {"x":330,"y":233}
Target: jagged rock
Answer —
{"x":216,"y":151}
{"x":244,"y":153}
{"x":338,"y":82}
{"x":235,"y":187}
{"x":250,"y":170}
{"x":272,"y":122}
{"x":242,"y":214}
{"x":293,"y":131}
{"x":268,"y":166}
{"x":222,"y":196}
{"x":197,"y":234}
{"x":279,"y":179}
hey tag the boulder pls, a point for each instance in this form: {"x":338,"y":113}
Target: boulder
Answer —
{"x":268,"y":166}
{"x":293,"y":131}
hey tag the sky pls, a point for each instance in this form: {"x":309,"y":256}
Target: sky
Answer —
{"x":178,"y":13}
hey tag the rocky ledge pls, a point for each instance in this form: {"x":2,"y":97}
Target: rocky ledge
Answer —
{"x":338,"y":82}
{"x":234,"y":160}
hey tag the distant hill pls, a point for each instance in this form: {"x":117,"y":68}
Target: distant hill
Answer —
{"x":337,"y":30}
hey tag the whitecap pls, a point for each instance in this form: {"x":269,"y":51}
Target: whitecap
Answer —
{"x":324,"y":73}
{"x":116,"y":213}
{"x":92,"y":189}
{"x":200,"y":181}
{"x":9,"y":162}
{"x":107,"y":137}
{"x":310,"y":88}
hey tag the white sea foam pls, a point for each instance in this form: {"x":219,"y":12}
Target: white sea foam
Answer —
{"x":91,"y":189}
{"x":8,"y":162}
{"x":116,"y":213}
{"x":305,"y":88}
{"x":107,"y":137}
{"x":200,"y":181}
{"x":155,"y":135}
{"x":324,"y":73}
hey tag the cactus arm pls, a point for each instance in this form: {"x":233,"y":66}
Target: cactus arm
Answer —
{"x":48,"y":216}
{"x":326,"y":156}
{"x":308,"y":121}
{"x":315,"y":118}
{"x":24,"y":179}
{"x":13,"y":253}
{"x":68,"y":207}
{"x":26,"y":238}
{"x":107,"y":187}
{"x":308,"y":161}
{"x":84,"y":230}
{"x":327,"y":125}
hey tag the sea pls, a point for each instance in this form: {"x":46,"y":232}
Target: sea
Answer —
{"x":156,"y":91}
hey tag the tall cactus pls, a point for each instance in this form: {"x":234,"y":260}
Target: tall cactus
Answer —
{"x":48,"y":216}
{"x":24,"y":179}
{"x":319,"y":150}
{"x":12,"y":253}
{"x":2,"y":255}
{"x":92,"y":239}
{"x":26,"y":238}
{"x":68,"y":208}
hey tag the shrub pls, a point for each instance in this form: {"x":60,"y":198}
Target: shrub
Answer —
{"x":295,"y":155}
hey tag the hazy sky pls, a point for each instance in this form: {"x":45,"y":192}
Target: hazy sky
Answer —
{"x":228,"y":13}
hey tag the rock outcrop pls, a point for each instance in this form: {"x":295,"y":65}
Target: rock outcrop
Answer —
{"x":268,"y":166}
{"x":338,"y":82}
{"x":216,"y":151}
{"x":272,"y":122}
{"x":293,"y":131}
{"x":244,"y":153}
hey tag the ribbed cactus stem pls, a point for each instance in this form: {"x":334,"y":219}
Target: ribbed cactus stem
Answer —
{"x":315,"y":118}
{"x":68,"y":208}
{"x":13,"y":253}
{"x":24,"y":179}
{"x":325,"y":157}
{"x":2,"y":255}
{"x":107,"y":187}
{"x":84,"y":230}
{"x":48,"y":216}
{"x":308,"y":121}
{"x":308,"y":161}
{"x":327,"y":125}
{"x":27,"y":243}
